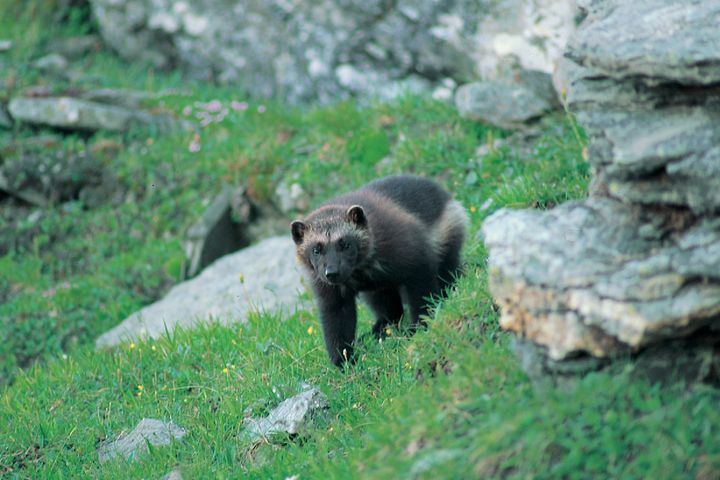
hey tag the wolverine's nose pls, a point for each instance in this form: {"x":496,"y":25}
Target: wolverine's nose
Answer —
{"x":332,"y":274}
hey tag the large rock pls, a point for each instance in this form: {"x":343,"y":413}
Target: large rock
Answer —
{"x":502,"y":104}
{"x":77,"y":114}
{"x":314,"y":50}
{"x":264,"y":276}
{"x":635,"y":269}
{"x":602,"y":277}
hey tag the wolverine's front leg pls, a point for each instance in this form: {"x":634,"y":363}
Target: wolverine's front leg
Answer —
{"x":338,"y":316}
{"x":387,"y":307}
{"x":417,"y":295}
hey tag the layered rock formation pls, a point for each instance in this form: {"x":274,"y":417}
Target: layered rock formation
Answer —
{"x":331,"y":48}
{"x":638,"y":263}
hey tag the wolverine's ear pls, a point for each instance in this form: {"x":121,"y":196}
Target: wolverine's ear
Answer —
{"x":298,"y":231}
{"x":356,"y":214}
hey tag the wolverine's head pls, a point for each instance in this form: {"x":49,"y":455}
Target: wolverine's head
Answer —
{"x":332,"y":242}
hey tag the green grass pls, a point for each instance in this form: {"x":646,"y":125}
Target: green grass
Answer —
{"x":449,"y":402}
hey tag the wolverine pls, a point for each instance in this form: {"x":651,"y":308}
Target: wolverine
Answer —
{"x":396,"y":240}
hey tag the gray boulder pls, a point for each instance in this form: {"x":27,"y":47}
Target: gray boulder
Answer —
{"x":77,"y":114}
{"x":292,"y":416}
{"x":263,"y":276}
{"x":131,"y":445}
{"x":502,"y":104}
{"x":318,"y":50}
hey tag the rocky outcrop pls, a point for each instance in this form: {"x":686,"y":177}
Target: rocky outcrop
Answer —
{"x":602,"y":277}
{"x":263,"y":276}
{"x":331,"y":48}
{"x":637,"y":265}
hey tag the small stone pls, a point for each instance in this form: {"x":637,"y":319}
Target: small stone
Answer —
{"x":173,"y":475}
{"x":292,"y":416}
{"x":471,"y":178}
{"x":75,"y":47}
{"x":53,"y":62}
{"x":291,"y":198}
{"x":5,"y":45}
{"x":432,"y":459}
{"x":131,"y":445}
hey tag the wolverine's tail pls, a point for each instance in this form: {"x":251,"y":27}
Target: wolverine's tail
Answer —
{"x":449,"y":231}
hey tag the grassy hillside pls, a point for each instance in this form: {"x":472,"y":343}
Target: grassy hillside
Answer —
{"x":450,"y":402}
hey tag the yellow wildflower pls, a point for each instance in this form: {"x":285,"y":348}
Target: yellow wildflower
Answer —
{"x":388,"y":331}
{"x":472,"y":209}
{"x":141,"y":388}
{"x":132,"y":345}
{"x":226,"y":370}
{"x":310,"y":330}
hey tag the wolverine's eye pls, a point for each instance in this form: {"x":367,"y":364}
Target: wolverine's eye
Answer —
{"x":343,"y":244}
{"x":317,"y":249}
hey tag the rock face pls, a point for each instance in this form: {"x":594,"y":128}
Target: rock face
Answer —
{"x":602,"y":277}
{"x":129,"y":445}
{"x":637,"y":265}
{"x":291,"y":416}
{"x":327,"y":49}
{"x":263,"y":276}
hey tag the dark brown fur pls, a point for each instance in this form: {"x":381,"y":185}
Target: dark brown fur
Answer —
{"x":395,"y":240}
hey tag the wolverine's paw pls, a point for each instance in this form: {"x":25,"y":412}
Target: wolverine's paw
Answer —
{"x":346,"y":357}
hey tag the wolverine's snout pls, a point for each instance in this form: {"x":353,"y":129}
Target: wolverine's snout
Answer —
{"x":332,"y":274}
